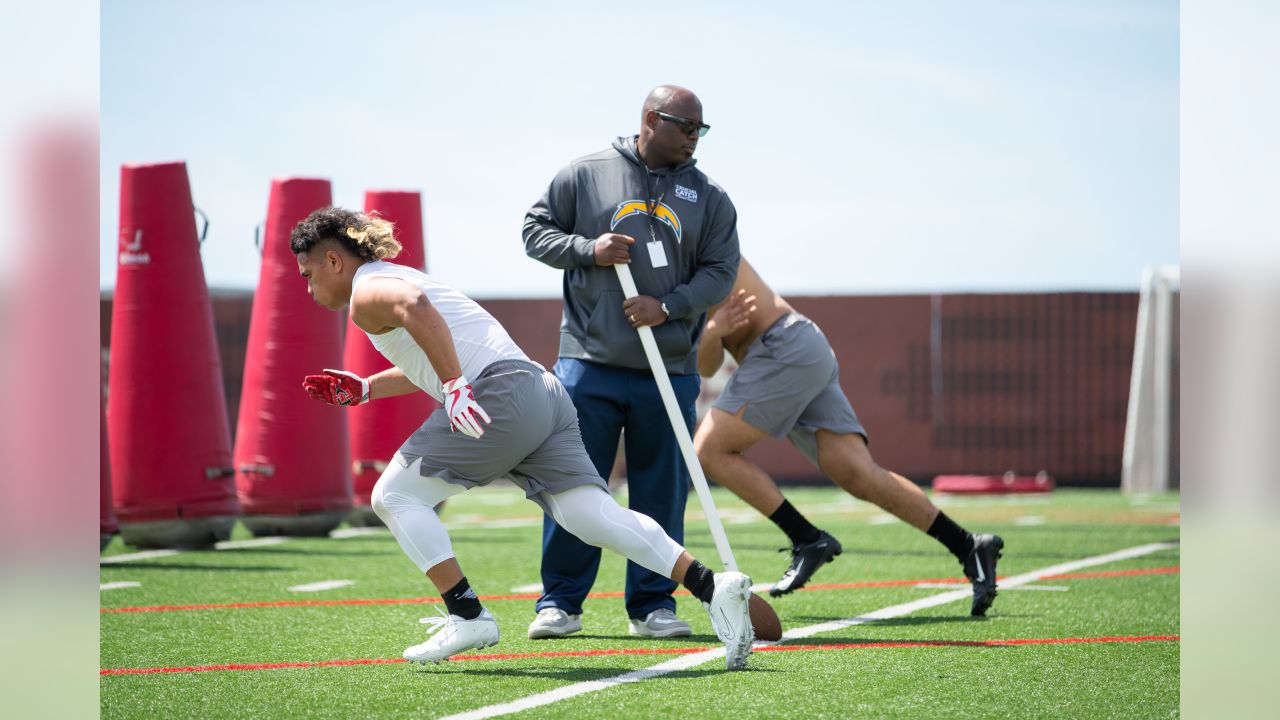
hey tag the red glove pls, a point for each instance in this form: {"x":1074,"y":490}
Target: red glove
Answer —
{"x":337,"y":387}
{"x":464,"y":412}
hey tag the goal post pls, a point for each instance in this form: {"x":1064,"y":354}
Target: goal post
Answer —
{"x":1147,"y":429}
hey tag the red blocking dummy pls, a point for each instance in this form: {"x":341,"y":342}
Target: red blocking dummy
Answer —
{"x":378,"y":428}
{"x":291,"y":457}
{"x":170,"y":440}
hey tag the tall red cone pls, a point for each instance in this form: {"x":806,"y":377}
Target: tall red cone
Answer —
{"x":291,"y":457}
{"x":170,"y":440}
{"x":378,"y":428}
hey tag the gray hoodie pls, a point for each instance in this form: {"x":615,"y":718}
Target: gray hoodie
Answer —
{"x":610,"y":191}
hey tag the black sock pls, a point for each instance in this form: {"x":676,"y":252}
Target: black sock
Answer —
{"x":461,"y":600}
{"x":700,"y":581}
{"x":958,"y":540}
{"x":795,"y":525}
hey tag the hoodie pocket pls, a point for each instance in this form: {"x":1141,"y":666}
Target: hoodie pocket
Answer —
{"x":673,"y":340}
{"x":610,"y":338}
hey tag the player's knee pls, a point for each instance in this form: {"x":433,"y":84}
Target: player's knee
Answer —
{"x":851,"y":482}
{"x":704,"y":453}
{"x":593,"y":518}
{"x":709,"y":450}
{"x":378,"y":500}
{"x":384,"y":499}
{"x":853,"y":472}
{"x":588,"y":532}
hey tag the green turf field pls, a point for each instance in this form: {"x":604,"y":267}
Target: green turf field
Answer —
{"x":895,"y":667}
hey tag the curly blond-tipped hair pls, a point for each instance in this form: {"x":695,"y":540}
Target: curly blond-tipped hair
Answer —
{"x":364,"y":235}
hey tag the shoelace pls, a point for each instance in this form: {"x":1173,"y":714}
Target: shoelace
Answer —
{"x":437,"y":622}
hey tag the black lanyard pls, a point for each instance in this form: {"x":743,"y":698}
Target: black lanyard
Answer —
{"x":651,"y":206}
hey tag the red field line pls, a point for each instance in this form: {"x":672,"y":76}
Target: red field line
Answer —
{"x":535,"y":596}
{"x":655,"y":651}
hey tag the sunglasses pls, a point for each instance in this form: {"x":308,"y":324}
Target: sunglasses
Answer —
{"x":688,"y":127}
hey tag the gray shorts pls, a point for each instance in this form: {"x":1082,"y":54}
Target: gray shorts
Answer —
{"x":533,"y":439}
{"x":790,"y":383}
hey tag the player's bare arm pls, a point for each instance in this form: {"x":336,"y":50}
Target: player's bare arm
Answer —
{"x":390,"y":383}
{"x":382,"y":304}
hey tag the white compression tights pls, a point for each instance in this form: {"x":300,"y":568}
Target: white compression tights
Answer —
{"x":405,"y":500}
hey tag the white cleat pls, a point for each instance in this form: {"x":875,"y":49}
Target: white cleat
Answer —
{"x":731,"y":617}
{"x":452,"y":635}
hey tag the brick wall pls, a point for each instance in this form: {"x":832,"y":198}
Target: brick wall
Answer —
{"x":951,"y":383}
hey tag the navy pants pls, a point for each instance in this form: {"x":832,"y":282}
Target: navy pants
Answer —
{"x":609,"y":400}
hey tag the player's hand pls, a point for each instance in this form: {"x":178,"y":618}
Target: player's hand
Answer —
{"x":465,"y":413}
{"x":733,"y":314}
{"x":337,"y":387}
{"x":613,"y":249}
{"x":643,"y":311}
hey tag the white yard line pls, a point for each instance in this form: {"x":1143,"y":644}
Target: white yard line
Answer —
{"x":882,"y":520}
{"x":144,"y":555}
{"x":224,"y":545}
{"x":322,"y":585}
{"x":119,"y":585}
{"x":1029,"y":520}
{"x":690,"y":661}
{"x":951,"y":586}
{"x":569,"y":691}
{"x":530,"y":588}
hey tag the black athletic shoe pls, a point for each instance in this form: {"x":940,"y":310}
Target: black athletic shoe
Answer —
{"x":805,"y":561}
{"x":980,"y":568}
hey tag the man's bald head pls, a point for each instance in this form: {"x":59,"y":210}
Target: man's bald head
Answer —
{"x":672,"y":99}
{"x":663,"y":142}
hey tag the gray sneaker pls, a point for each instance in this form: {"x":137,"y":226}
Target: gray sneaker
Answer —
{"x":661,"y":623}
{"x":554,"y":622}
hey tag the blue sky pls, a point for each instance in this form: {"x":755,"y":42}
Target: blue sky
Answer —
{"x":869,"y":147}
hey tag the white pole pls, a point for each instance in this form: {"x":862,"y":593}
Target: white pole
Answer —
{"x":678,"y":427}
{"x":1163,"y":388}
{"x":1133,"y":476}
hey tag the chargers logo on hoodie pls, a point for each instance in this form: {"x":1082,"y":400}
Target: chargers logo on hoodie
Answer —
{"x":664,"y":214}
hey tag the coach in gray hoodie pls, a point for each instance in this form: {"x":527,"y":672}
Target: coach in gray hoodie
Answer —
{"x":641,"y":202}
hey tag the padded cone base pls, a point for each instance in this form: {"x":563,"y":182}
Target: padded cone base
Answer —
{"x":308,"y":525}
{"x":187,"y":534}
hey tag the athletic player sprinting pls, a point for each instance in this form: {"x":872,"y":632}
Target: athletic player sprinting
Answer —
{"x":788,"y":385}
{"x":502,"y":416}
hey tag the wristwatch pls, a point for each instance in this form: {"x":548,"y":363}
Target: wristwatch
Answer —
{"x":665,"y":311}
